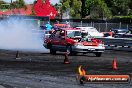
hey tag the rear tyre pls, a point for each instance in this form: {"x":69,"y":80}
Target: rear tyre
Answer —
{"x":98,"y":54}
{"x":52,"y":51}
{"x":70,"y":52}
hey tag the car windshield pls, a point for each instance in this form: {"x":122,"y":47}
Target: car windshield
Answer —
{"x":73,"y":34}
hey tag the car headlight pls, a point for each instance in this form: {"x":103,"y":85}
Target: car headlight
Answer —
{"x":78,"y":44}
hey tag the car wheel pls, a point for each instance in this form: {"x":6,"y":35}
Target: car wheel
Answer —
{"x":98,"y":54}
{"x":52,"y":51}
{"x":117,"y":36}
{"x":70,"y":52}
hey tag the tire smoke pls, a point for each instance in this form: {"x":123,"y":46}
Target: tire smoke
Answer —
{"x":21,"y":35}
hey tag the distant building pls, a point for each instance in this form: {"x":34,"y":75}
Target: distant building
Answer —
{"x":21,"y":11}
{"x":40,"y":9}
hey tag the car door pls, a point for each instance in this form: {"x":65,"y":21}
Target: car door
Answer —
{"x":62,"y":42}
{"x":56,"y":40}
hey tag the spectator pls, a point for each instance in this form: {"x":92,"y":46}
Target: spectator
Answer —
{"x":48,"y":26}
{"x":68,"y":24}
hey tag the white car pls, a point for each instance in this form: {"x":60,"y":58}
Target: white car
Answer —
{"x":91,"y":31}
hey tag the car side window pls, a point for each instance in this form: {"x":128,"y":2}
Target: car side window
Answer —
{"x":57,"y":33}
{"x":54,"y":35}
{"x":62,"y":33}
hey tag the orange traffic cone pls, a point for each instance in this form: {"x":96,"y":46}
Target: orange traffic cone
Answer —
{"x":17,"y":55}
{"x":66,"y":61}
{"x":114,"y":65}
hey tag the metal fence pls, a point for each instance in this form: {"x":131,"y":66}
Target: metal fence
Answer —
{"x":117,"y":44}
{"x":103,"y":27}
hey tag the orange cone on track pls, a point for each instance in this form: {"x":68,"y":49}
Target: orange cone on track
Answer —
{"x":114,"y":65}
{"x":66,"y":61}
{"x":17,"y":55}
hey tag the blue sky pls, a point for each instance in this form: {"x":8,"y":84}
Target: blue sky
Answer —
{"x":31,"y":1}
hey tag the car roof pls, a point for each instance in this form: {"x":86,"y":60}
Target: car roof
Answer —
{"x":70,"y":28}
{"x":119,"y":29}
{"x":85,"y":27}
{"x":60,"y":25}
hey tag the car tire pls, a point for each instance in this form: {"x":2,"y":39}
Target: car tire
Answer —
{"x":69,"y":49}
{"x":70,"y":52}
{"x":98,"y":54}
{"x":52,"y":51}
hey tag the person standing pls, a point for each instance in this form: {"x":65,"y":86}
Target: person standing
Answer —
{"x":48,"y":26}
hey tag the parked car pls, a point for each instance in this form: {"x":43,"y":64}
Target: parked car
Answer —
{"x":91,"y":31}
{"x":70,"y":39}
{"x":118,"y":33}
{"x":130,"y":31}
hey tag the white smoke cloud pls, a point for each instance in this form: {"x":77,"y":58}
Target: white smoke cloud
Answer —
{"x":21,"y":35}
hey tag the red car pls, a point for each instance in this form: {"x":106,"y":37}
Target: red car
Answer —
{"x":70,"y":39}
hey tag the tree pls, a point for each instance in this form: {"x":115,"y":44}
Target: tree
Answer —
{"x":21,"y":4}
{"x":95,"y":9}
{"x":120,"y":7}
{"x":4,"y":5}
{"x":86,"y":5}
{"x":73,"y":7}
{"x":18,"y":4}
{"x":2,"y":2}
{"x":103,"y":9}
{"x":58,"y":8}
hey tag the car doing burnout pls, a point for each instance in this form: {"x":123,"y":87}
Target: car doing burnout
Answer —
{"x":70,"y":39}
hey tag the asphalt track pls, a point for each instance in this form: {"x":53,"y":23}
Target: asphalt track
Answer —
{"x":42,"y":70}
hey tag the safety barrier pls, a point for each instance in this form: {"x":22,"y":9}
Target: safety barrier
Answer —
{"x":117,"y":44}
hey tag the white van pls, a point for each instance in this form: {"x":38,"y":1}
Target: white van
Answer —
{"x":91,"y":31}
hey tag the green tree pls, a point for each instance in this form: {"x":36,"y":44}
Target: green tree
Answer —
{"x":2,"y":2}
{"x":96,"y":9}
{"x":18,"y":4}
{"x":103,"y":9}
{"x":58,"y":8}
{"x":1,"y":5}
{"x":130,"y":8}
{"x":120,"y":7}
{"x":21,"y":4}
{"x":73,"y":7}
{"x":86,"y":6}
